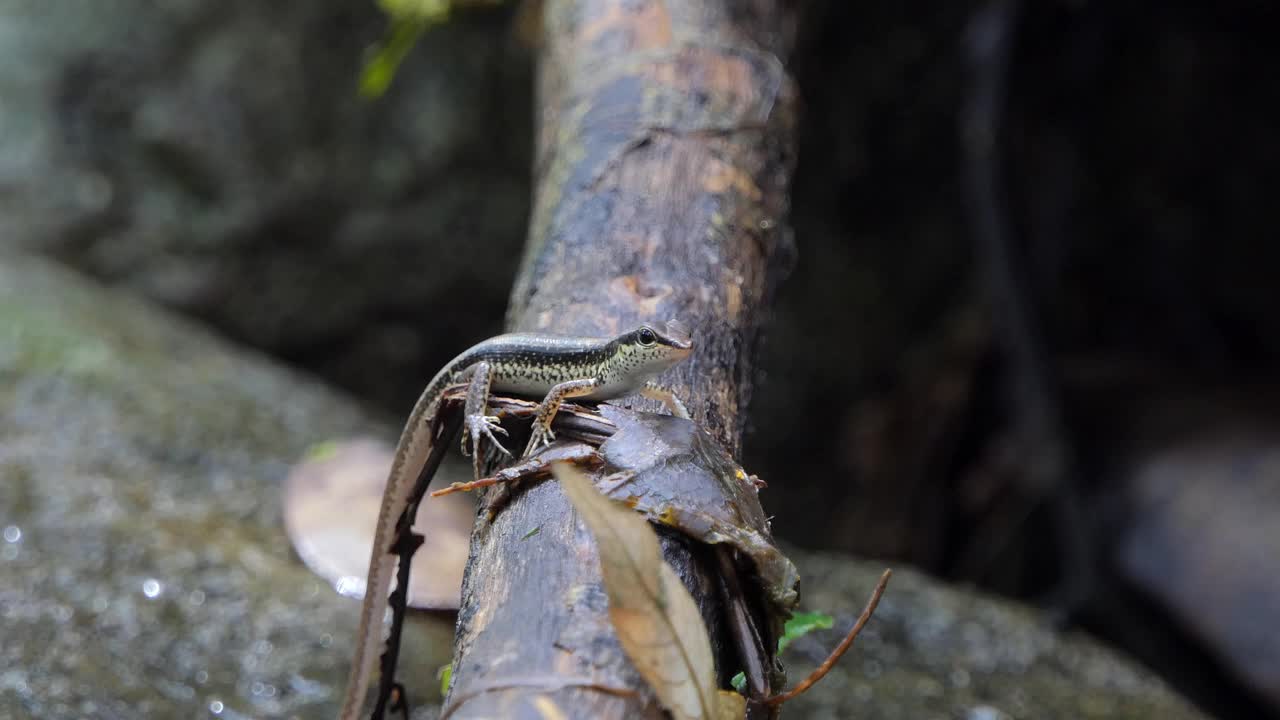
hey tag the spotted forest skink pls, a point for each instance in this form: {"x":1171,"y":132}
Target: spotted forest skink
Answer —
{"x":553,"y":367}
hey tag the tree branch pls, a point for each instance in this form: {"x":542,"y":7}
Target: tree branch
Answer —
{"x":664,"y":157}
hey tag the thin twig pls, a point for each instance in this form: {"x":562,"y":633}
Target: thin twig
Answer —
{"x":468,"y":486}
{"x":537,"y":466}
{"x":841,"y":649}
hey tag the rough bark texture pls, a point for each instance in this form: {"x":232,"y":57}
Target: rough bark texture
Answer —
{"x":664,"y":154}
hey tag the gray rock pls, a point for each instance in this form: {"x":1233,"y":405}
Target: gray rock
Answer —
{"x":144,"y":568}
{"x":937,"y":652}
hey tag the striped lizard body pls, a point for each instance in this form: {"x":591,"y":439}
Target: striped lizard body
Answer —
{"x":552,"y":367}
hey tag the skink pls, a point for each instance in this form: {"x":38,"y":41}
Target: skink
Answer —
{"x":553,"y":367}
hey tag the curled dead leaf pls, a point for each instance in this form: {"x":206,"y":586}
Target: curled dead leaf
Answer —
{"x":678,"y":475}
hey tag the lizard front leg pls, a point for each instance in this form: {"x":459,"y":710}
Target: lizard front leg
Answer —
{"x":542,"y":434}
{"x":654,"y":391}
{"x":479,"y":426}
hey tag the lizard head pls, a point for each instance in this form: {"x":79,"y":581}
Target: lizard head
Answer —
{"x":651,"y":348}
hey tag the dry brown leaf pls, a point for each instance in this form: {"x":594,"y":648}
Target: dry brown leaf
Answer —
{"x":657,"y":621}
{"x":331,"y":502}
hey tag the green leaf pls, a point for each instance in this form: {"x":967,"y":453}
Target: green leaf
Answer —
{"x":445,"y":674}
{"x":431,"y":11}
{"x":802,"y":624}
{"x":380,"y":68}
{"x":409,"y":18}
{"x":322,"y":451}
{"x":798,"y":626}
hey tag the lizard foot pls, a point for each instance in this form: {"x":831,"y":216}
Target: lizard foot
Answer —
{"x":539,"y":438}
{"x":479,"y":428}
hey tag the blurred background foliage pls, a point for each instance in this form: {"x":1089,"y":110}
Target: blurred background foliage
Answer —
{"x":218,"y":159}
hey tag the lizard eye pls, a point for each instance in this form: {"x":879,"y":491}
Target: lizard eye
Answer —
{"x":646,"y":337}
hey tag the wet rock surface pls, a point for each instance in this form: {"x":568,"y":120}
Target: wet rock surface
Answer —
{"x":144,"y":568}
{"x":933,"y":651}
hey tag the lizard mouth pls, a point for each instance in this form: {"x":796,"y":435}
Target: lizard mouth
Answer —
{"x":679,"y":336}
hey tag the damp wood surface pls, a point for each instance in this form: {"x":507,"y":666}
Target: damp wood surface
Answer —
{"x":664,"y":152}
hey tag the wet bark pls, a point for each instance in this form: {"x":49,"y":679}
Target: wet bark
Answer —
{"x":665,"y":151}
